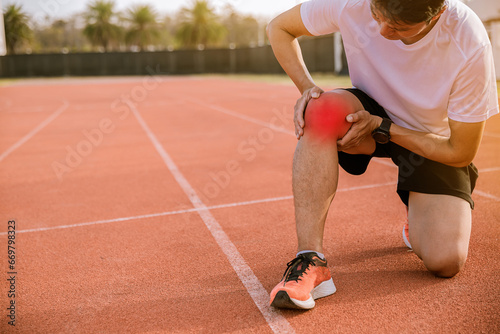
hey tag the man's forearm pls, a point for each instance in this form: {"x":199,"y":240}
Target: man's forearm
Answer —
{"x":442,"y":149}
{"x":290,"y":58}
{"x":428,"y":145}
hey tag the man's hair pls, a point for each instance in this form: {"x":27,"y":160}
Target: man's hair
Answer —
{"x":408,"y":11}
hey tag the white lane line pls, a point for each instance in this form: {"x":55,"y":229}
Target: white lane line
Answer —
{"x":226,"y":111}
{"x":491,"y":134}
{"x":213,"y":207}
{"x":240,"y":116}
{"x":178,"y":212}
{"x":369,"y":186}
{"x":107,"y":221}
{"x":34,"y":131}
{"x":485,"y":194}
{"x":258,"y":293}
{"x":152,"y":215}
{"x":259,"y":122}
{"x":486,"y":170}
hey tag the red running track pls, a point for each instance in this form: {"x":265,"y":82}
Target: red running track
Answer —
{"x":163,"y":205}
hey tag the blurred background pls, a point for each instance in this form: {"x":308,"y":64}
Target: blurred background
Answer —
{"x":127,"y":37}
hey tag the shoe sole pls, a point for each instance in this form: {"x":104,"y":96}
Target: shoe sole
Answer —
{"x":405,"y":239}
{"x":283,"y":300}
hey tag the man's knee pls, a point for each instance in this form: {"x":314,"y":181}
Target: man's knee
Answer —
{"x":445,"y":264}
{"x":325,"y":117}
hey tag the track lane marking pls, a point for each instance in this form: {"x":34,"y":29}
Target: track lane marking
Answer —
{"x":213,"y":207}
{"x":229,"y":112}
{"x":240,"y":116}
{"x":487,"y":170}
{"x":259,"y":122}
{"x":33,"y":132}
{"x":487,"y":195}
{"x":178,"y":212}
{"x":258,"y":293}
{"x":491,"y":134}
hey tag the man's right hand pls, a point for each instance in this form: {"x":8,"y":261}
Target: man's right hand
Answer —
{"x":298,"y":118}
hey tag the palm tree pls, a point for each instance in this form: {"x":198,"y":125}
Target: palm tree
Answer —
{"x":167,"y":28}
{"x":99,"y":28}
{"x":17,"y":30}
{"x":199,"y":25}
{"x":144,"y":26}
{"x":243,"y":30}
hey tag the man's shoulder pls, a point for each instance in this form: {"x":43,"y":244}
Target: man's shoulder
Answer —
{"x":351,"y":4}
{"x":326,"y":16}
{"x":465,"y":26}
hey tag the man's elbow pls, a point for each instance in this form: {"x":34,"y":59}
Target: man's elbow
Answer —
{"x":286,"y":25}
{"x":463,"y":160}
{"x":272,"y":27}
{"x":460,"y":164}
{"x":268,"y":29}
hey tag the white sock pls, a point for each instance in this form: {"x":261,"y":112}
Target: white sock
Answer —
{"x":321,"y":255}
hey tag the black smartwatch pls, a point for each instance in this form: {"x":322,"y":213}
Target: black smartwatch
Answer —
{"x":382,"y":134}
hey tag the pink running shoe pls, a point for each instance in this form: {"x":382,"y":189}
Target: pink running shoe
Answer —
{"x":307,"y":278}
{"x":406,"y":235}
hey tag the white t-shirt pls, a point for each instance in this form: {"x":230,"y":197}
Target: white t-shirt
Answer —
{"x":447,"y":74}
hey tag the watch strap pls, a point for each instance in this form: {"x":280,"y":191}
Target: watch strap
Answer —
{"x":385,"y":126}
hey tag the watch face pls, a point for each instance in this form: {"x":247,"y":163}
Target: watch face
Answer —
{"x":380,"y":137}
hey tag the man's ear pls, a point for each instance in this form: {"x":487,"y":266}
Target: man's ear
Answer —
{"x":438,"y":15}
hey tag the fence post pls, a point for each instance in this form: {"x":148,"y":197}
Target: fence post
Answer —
{"x":171,"y":63}
{"x":66,"y":69}
{"x":337,"y":53}
{"x":200,"y":61}
{"x":232,"y":60}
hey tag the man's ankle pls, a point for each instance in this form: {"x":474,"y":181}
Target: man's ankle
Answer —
{"x":321,"y":255}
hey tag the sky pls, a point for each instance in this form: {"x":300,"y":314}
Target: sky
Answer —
{"x":267,"y":9}
{"x":63,"y":8}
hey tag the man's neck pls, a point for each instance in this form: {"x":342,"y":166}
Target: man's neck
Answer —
{"x":422,"y":34}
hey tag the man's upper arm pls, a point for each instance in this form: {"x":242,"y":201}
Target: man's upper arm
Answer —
{"x":465,"y":139}
{"x":312,"y":18}
{"x":290,"y":22}
{"x":473,"y":97}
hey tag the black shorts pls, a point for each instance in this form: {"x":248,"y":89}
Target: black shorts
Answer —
{"x":415,"y":173}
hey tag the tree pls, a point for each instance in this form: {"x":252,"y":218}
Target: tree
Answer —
{"x":99,"y":28}
{"x":51,"y":37}
{"x":143,"y":29}
{"x":17,"y":30}
{"x":199,"y":25}
{"x":168,"y":28}
{"x":244,"y":30}
{"x":60,"y":36}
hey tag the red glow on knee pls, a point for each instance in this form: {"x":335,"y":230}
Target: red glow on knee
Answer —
{"x":325,"y":116}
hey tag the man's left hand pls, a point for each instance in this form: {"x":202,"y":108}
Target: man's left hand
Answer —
{"x":363,"y":125}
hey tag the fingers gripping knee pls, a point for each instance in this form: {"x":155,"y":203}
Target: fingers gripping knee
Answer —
{"x":325,"y":117}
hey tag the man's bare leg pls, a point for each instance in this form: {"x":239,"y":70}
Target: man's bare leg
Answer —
{"x":315,"y":178}
{"x":440,"y":227}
